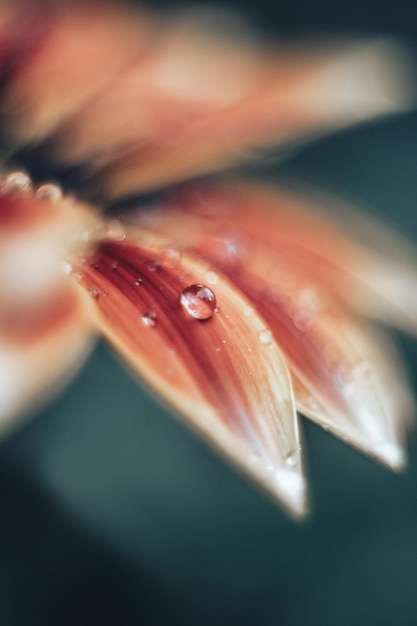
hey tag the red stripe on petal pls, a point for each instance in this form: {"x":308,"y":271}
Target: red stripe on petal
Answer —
{"x":224,"y":373}
{"x":330,"y":350}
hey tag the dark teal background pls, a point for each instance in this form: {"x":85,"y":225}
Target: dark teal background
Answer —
{"x":112,"y":513}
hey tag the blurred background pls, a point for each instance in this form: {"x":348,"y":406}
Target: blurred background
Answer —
{"x":113,"y":513}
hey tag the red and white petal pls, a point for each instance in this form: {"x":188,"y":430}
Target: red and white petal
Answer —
{"x":372,"y":269}
{"x":224,"y":373}
{"x":44,"y":332}
{"x":280,"y":96}
{"x":38,"y":359}
{"x":352,"y":379}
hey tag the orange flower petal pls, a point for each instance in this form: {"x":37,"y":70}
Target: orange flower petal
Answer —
{"x":352,"y":382}
{"x":224,"y":373}
{"x":372,"y":269}
{"x":281,"y":96}
{"x":86,"y":45}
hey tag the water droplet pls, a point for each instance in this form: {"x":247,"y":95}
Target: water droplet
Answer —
{"x":171,"y":257}
{"x":225,"y":249}
{"x":248,"y":311}
{"x":291,"y":459}
{"x":212,"y":278}
{"x":93,"y":293}
{"x":49,"y":192}
{"x":199,"y":301}
{"x":17,"y":182}
{"x":154,"y":266}
{"x":149,"y":319}
{"x":302,"y":320}
{"x":67,"y":267}
{"x":138,"y":282}
{"x":115,"y":265}
{"x":115,"y":230}
{"x":265,"y":337}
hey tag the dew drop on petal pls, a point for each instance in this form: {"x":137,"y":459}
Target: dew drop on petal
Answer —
{"x":17,"y":182}
{"x":115,"y":231}
{"x":138,"y":282}
{"x":211,"y":277}
{"x":154,"y":266}
{"x":265,"y":337}
{"x":199,"y":301}
{"x":149,"y":319}
{"x":93,"y":293}
{"x":171,"y":257}
{"x":49,"y":192}
{"x":291,"y":459}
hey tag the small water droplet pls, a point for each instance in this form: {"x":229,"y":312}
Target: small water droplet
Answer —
{"x":248,"y":311}
{"x":50,"y":192}
{"x":115,"y":265}
{"x":291,"y":459}
{"x":149,"y":319}
{"x":93,"y":292}
{"x":17,"y":182}
{"x":171,"y":257}
{"x":67,"y":267}
{"x":302,"y":320}
{"x":265,"y":337}
{"x":138,"y":282}
{"x":199,"y":301}
{"x":211,"y":277}
{"x":154,"y":266}
{"x":115,"y":230}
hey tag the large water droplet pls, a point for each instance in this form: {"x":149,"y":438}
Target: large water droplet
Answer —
{"x":199,"y":301}
{"x":149,"y":319}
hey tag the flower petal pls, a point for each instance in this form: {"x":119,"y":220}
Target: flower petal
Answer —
{"x":44,"y":332}
{"x":83,"y":48}
{"x":283,"y":96}
{"x":153,"y":103}
{"x":224,"y":373}
{"x":345,"y":379}
{"x":369,"y":266}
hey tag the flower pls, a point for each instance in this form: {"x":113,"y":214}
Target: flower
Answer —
{"x":239,"y":305}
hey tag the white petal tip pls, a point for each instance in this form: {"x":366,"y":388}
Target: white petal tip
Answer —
{"x":392,"y":455}
{"x":291,"y":488}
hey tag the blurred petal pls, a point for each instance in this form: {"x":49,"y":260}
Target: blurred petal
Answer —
{"x":224,"y":373}
{"x":44,"y":334}
{"x":153,"y":103}
{"x":347,"y":381}
{"x":86,"y":45}
{"x":277,"y":97}
{"x":366,"y":264}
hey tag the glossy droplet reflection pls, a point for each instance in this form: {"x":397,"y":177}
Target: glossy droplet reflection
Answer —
{"x":199,"y":301}
{"x":49,"y":192}
{"x":149,"y":319}
{"x":17,"y":182}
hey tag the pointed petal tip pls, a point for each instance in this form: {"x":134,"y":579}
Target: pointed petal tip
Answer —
{"x":392,"y":455}
{"x":292,"y":489}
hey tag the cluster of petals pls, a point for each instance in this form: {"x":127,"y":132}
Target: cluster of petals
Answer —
{"x":241,"y":305}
